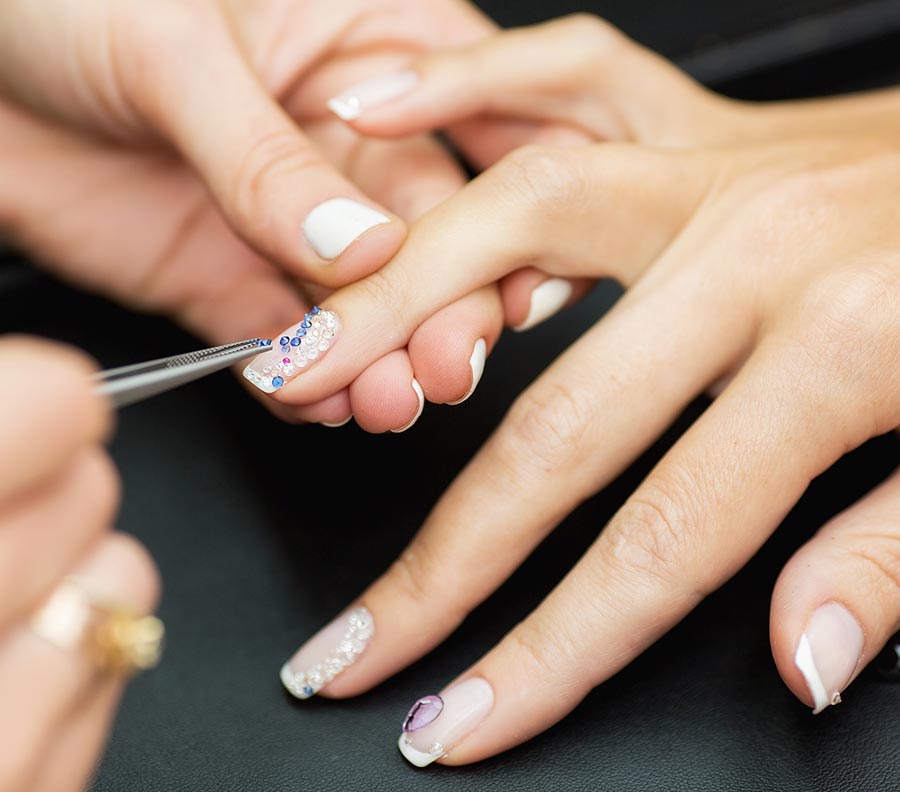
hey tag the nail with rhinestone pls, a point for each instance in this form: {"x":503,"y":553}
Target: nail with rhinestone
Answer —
{"x":325,"y":655}
{"x":299,"y":348}
{"x":435,"y":724}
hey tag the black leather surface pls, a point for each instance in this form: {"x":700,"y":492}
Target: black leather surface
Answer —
{"x":253,"y":563}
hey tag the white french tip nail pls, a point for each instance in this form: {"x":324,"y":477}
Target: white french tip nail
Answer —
{"x":546,"y":300}
{"x":353,"y":102}
{"x":333,"y":225}
{"x":413,"y":755}
{"x":421,"y":396}
{"x":338,"y":424}
{"x":476,"y":362}
{"x":828,"y":653}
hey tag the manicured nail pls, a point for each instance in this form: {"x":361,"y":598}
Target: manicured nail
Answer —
{"x":421,"y":397}
{"x":476,"y":363}
{"x":828,"y":653}
{"x":437,"y":723}
{"x":546,"y":300}
{"x":328,"y":653}
{"x":334,"y":224}
{"x":298,"y":348}
{"x":338,"y":424}
{"x":363,"y":96}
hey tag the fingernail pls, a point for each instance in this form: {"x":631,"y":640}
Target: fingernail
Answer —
{"x":334,"y":648}
{"x":298,"y":348}
{"x":338,"y":424}
{"x":334,"y":224}
{"x":437,"y":723}
{"x":828,"y":653}
{"x":476,"y":363}
{"x":421,"y":397}
{"x":546,"y":300}
{"x":363,"y":96}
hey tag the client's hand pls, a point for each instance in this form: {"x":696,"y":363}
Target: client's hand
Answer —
{"x":151,"y":151}
{"x":58,"y":495}
{"x":768,"y":267}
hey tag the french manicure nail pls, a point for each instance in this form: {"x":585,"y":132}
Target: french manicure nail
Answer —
{"x":334,"y":648}
{"x":828,"y":653}
{"x":353,"y":102}
{"x":338,"y":423}
{"x":334,"y":224}
{"x":421,"y":397}
{"x":435,"y":724}
{"x":476,"y":363}
{"x":298,"y":348}
{"x":546,"y":300}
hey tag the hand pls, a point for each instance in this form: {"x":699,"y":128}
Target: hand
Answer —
{"x":184,"y":185}
{"x":769,"y":266}
{"x":57,"y":500}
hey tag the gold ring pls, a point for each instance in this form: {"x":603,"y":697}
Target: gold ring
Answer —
{"x":112,"y":636}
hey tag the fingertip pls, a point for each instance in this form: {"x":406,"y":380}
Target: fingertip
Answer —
{"x":384,"y":397}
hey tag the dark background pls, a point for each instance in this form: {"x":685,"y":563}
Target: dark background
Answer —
{"x":248,"y":576}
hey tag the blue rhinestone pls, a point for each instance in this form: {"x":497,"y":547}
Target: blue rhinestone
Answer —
{"x":315,"y":310}
{"x":295,"y":342}
{"x":283,"y":340}
{"x":305,"y":325}
{"x":277,"y":382}
{"x":285,"y":349}
{"x":267,"y":342}
{"x":307,"y":690}
{"x":301,"y":333}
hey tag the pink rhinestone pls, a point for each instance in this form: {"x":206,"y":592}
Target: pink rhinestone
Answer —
{"x":286,"y":360}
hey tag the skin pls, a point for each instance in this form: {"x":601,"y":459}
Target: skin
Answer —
{"x":758,"y":248}
{"x":56,"y":706}
{"x":179,"y":199}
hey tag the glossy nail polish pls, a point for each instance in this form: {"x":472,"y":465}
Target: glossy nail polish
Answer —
{"x":828,"y":653}
{"x":435,"y":724}
{"x":298,"y":348}
{"x":476,"y":363}
{"x":332,"y":226}
{"x":331,"y":650}
{"x":546,"y":300}
{"x":353,"y":102}
{"x":417,"y":389}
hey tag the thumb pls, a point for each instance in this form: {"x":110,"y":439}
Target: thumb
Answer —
{"x":185,"y":73}
{"x":577,"y":71}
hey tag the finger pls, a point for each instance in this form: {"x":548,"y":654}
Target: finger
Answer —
{"x":44,"y":532}
{"x":689,"y":526}
{"x":530,"y":297}
{"x":47,"y":390}
{"x":71,"y":755}
{"x":541,"y":73}
{"x":508,"y":217}
{"x":577,"y":424}
{"x":386,"y":397}
{"x":271,"y":184}
{"x":448,"y":350}
{"x":837,"y":601}
{"x":41,"y":682}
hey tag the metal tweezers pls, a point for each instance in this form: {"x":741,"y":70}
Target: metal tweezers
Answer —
{"x":130,"y":384}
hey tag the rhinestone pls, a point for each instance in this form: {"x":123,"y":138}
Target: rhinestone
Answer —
{"x":312,"y":353}
{"x":323,"y":346}
{"x":436,"y":749}
{"x":267,"y":369}
{"x":307,"y":691}
{"x":315,"y":676}
{"x":364,"y":633}
{"x":360,"y":618}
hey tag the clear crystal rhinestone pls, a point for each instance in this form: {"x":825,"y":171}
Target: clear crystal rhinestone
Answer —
{"x":316,"y":676}
{"x":346,"y":646}
{"x":267,"y":369}
{"x":364,"y":633}
{"x":436,"y":749}
{"x":358,"y":646}
{"x":323,"y":346}
{"x":330,"y":321}
{"x":359,"y":618}
{"x":312,"y":353}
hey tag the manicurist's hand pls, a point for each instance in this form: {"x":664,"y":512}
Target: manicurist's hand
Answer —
{"x":767,"y":266}
{"x":179,"y":156}
{"x":58,"y":557}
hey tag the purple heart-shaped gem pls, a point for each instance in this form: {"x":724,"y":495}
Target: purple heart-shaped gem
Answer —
{"x":423,"y":712}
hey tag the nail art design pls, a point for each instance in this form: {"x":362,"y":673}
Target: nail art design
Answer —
{"x":546,"y":300}
{"x":353,"y":102}
{"x":297,"y":348}
{"x":354,"y":632}
{"x":435,"y":724}
{"x":417,"y":389}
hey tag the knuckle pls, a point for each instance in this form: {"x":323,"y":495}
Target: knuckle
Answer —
{"x":589,"y":33}
{"x":653,"y":536}
{"x":844,"y":319}
{"x":544,"y":177}
{"x":387,"y":288}
{"x":546,"y":653}
{"x":413,"y":577}
{"x":547,"y":425}
{"x":269,"y":161}
{"x":879,"y":559}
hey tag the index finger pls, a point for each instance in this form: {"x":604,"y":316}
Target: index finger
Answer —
{"x":49,"y":411}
